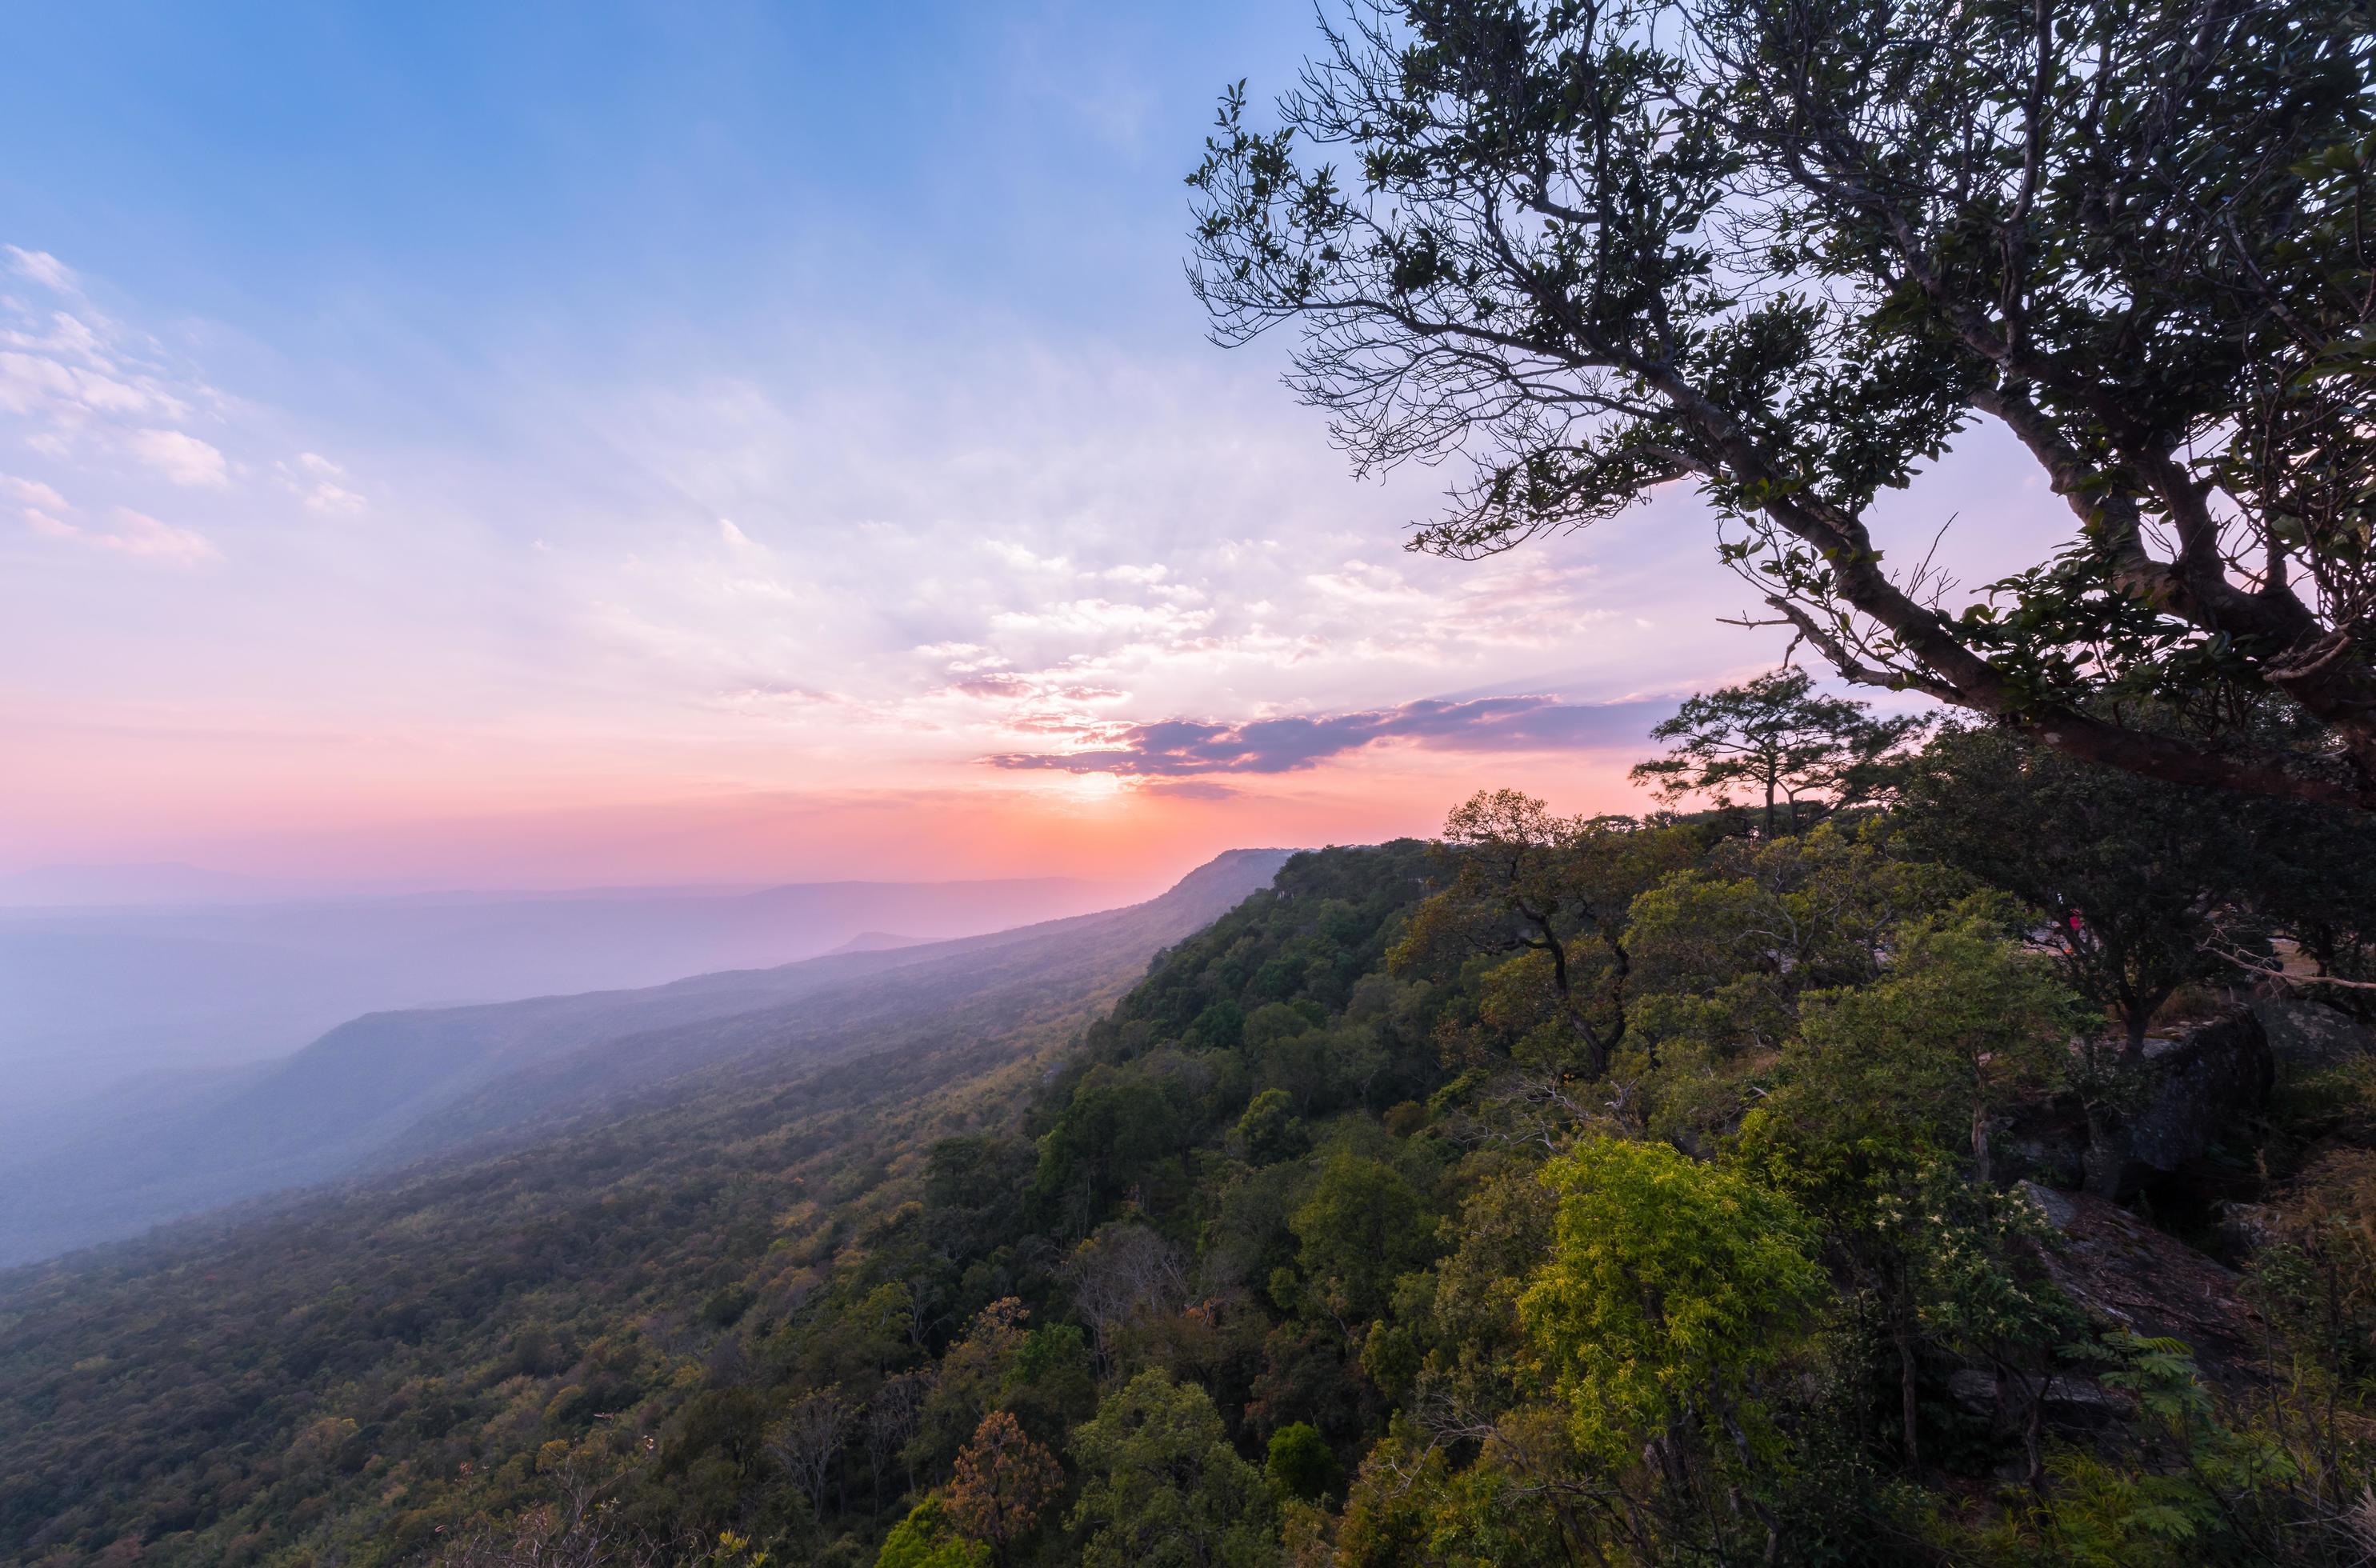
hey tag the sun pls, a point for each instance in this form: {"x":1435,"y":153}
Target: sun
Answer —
{"x":1088,"y":787}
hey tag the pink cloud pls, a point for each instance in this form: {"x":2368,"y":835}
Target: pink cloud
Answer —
{"x":138,"y":534}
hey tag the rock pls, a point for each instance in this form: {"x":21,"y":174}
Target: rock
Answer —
{"x":2083,"y":1404}
{"x":2126,"y":1274}
{"x":1973,"y":1389}
{"x":2072,"y":1403}
{"x":2200,"y":1084}
{"x":2311,"y":1035}
{"x":2244,"y":1229}
{"x":2048,"y":1149}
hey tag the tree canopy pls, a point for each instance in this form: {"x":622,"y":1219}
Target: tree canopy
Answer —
{"x":1774,"y":734}
{"x":1790,"y":253}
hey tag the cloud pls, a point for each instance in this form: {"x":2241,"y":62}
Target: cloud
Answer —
{"x":138,"y":534}
{"x":1047,"y":686}
{"x":41,"y":267}
{"x":1180,"y":748}
{"x":31,"y":383}
{"x":32,"y":492}
{"x":316,"y":480}
{"x":182,"y":457}
{"x":135,"y":533}
{"x":1189,"y":789}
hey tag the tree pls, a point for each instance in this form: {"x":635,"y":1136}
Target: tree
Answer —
{"x":2311,"y":879}
{"x":974,"y":1188}
{"x":969,"y":1383}
{"x":1161,"y":1487}
{"x":1777,"y":737}
{"x":1299,"y":1462}
{"x":2127,"y":877}
{"x":1003,"y":1481}
{"x":893,"y":1417}
{"x":1526,"y":881}
{"x":926,"y":1539}
{"x":807,"y":1439}
{"x":1270,"y":1131}
{"x":1882,"y":1129}
{"x":1670,"y":1288}
{"x":1723,"y":951}
{"x":1362,"y":1225}
{"x":1963,"y":1024}
{"x":1119,"y":1275}
{"x":1788,"y":253}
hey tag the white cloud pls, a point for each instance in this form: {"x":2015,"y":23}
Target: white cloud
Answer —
{"x":334,"y":499}
{"x":138,"y":534}
{"x":67,"y":335}
{"x":314,"y":479}
{"x":33,"y":493}
{"x":1023,"y":558}
{"x":735,"y":538}
{"x":135,"y":534}
{"x":41,"y":267}
{"x":180,"y":456}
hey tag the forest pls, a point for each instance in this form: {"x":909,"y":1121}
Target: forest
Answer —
{"x":1914,"y":1141}
{"x":1723,"y":1186}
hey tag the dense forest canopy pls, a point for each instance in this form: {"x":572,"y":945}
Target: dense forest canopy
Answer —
{"x":1789,"y":252}
{"x":1564,"y":1190}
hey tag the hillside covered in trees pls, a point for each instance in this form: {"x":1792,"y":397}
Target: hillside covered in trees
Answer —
{"x":1730,"y":1187}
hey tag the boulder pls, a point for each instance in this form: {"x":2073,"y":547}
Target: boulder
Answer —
{"x":2306,"y":1035}
{"x":2200,"y":1084}
{"x":2072,"y":1403}
{"x":2126,"y":1274}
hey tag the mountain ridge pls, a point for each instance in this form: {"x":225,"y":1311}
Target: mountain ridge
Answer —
{"x":389,"y":1088}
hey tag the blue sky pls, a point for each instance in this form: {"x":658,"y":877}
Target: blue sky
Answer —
{"x":471,"y":180}
{"x":581,"y":443}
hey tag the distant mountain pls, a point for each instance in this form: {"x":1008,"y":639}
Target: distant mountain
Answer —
{"x":73,"y":886}
{"x":876,"y":941}
{"x":390,"y":1087}
{"x":93,"y":996}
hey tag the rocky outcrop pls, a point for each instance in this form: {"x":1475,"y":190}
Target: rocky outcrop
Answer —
{"x":2072,"y":1403}
{"x":2199,"y":1086}
{"x":2305,"y":1034}
{"x":2126,"y":1274}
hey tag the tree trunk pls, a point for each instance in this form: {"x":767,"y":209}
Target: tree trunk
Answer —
{"x":1909,"y":1407}
{"x":2033,"y":1434}
{"x":2136,"y":1019}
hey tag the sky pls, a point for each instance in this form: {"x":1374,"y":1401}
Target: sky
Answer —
{"x":540,"y":446}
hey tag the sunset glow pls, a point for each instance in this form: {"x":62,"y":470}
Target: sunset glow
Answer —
{"x":780,"y":542}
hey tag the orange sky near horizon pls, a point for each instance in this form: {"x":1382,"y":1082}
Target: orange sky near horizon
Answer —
{"x":305,"y":808}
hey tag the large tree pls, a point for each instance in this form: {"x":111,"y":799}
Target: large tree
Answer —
{"x":1782,"y":740}
{"x":1789,"y":250}
{"x":2128,"y":878}
{"x":1526,"y":881}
